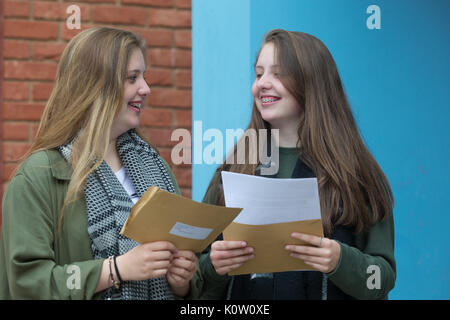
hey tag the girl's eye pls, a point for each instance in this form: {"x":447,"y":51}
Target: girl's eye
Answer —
{"x":258,"y":75}
{"x":132,"y":78}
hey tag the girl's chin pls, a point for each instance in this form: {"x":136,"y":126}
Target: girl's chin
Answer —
{"x":278,"y":122}
{"x":269,"y":116}
{"x":132,"y":125}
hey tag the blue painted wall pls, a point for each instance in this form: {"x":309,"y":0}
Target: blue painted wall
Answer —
{"x":221,"y":75}
{"x":397,"y":79}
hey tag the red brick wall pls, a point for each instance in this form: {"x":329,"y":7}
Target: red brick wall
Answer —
{"x":1,"y":97}
{"x":35,"y":34}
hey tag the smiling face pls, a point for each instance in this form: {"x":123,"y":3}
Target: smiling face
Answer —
{"x":136,"y":90}
{"x":276,"y":105}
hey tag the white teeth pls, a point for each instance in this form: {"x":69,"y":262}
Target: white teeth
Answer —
{"x":268,"y":100}
{"x":137,"y":105}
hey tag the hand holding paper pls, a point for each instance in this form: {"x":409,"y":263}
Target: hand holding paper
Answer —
{"x":273,"y":209}
{"x":149,"y":260}
{"x":324,"y":258}
{"x":181,"y":271}
{"x":226,"y":256}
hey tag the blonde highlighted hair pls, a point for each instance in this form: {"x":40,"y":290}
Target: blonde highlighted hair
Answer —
{"x":87,"y":95}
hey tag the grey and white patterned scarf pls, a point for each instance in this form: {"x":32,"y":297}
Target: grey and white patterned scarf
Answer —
{"x":108,"y":206}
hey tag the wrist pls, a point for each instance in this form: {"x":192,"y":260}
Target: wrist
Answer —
{"x":121,"y":268}
{"x":114,"y":282}
{"x":181,"y":291}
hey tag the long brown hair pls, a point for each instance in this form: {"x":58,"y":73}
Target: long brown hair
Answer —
{"x":86,"y":97}
{"x":353,"y":190}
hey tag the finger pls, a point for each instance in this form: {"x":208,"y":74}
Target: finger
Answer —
{"x":311,"y":259}
{"x":159,"y":273}
{"x":186,"y":254}
{"x":308,"y":238}
{"x":174,"y":277}
{"x":161,"y":246}
{"x":232,"y":261}
{"x":162,"y":264}
{"x":161,"y":255}
{"x":228,"y":245}
{"x":184,"y":264}
{"x":228,"y":254}
{"x":180,"y":272}
{"x":306,"y":250}
{"x":228,"y":269}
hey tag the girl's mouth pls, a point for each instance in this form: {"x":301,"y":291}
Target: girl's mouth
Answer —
{"x":269,"y":100}
{"x":135,"y":106}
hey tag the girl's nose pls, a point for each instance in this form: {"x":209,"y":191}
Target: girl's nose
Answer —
{"x":144,"y":90}
{"x":264,"y":84}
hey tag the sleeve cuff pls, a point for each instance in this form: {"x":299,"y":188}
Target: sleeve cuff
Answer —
{"x":339,"y":265}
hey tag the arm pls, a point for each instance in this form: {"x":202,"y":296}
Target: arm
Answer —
{"x":365,"y":272}
{"x":358,"y":268}
{"x":207,"y":284}
{"x":28,"y":235}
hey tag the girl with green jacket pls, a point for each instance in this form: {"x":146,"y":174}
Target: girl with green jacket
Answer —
{"x":66,"y":204}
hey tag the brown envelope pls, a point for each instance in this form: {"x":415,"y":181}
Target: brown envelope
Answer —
{"x":157,"y":211}
{"x":268,"y":242}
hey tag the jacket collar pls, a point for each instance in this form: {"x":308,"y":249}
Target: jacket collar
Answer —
{"x":60,"y":168}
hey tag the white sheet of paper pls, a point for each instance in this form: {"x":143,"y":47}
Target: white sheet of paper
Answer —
{"x":188,"y":231}
{"x":271,"y":200}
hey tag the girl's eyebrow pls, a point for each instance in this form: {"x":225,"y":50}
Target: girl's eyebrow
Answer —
{"x":275,"y":66}
{"x":136,"y":70}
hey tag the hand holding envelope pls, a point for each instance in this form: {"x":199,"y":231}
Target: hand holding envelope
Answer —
{"x":274,"y":209}
{"x":324,"y":258}
{"x":163,"y":216}
{"x":227,"y":256}
{"x":170,"y":229}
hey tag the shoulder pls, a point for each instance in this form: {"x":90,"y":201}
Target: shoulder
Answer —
{"x":44,"y":164}
{"x":35,"y":185}
{"x":31,"y":186}
{"x":35,"y":164}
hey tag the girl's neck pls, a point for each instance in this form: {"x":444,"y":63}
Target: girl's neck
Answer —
{"x":288,"y":136}
{"x":112,"y":157}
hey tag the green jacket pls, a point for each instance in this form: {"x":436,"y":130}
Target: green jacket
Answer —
{"x":353,"y":274}
{"x":36,"y":260}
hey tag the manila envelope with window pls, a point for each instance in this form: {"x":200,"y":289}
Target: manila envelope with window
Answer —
{"x":163,"y":216}
{"x":272,"y":210}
